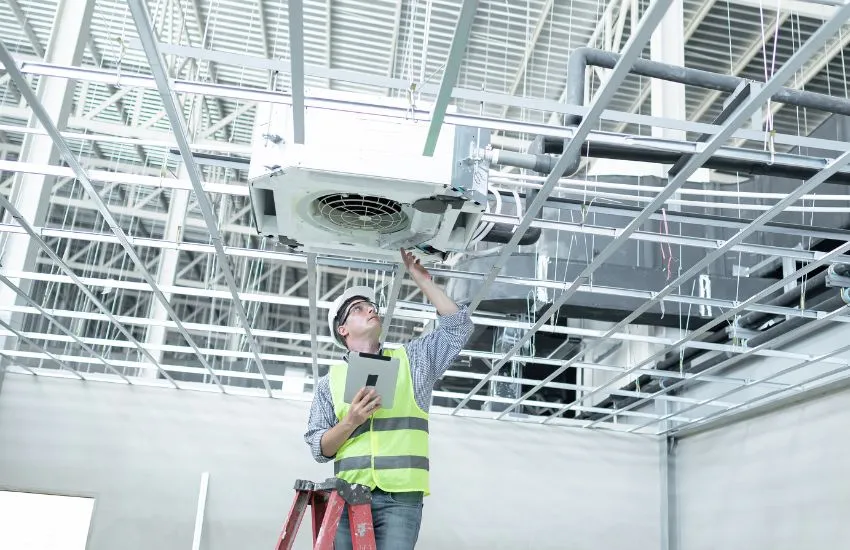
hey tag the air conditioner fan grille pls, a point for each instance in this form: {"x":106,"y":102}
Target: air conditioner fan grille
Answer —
{"x":353,"y":211}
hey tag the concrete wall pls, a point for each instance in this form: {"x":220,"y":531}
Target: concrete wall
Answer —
{"x":779,"y":481}
{"x":140,"y":452}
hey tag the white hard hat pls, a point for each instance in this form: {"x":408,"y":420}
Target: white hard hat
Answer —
{"x":353,"y":292}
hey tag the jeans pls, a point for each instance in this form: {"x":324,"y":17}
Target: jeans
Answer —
{"x":396,"y":518}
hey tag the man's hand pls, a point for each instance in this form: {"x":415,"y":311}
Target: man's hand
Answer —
{"x":364,"y":405}
{"x":417,"y":272}
{"x":420,"y":276}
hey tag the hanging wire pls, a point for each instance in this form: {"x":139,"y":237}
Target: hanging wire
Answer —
{"x":768,"y":73}
{"x":843,"y":66}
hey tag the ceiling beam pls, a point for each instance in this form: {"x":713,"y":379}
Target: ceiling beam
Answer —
{"x":399,"y":112}
{"x":755,"y":100}
{"x":27,"y":27}
{"x":455,"y":58}
{"x":68,"y":156}
{"x":813,"y":10}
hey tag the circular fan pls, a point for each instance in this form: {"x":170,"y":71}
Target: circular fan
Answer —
{"x":352,"y":211}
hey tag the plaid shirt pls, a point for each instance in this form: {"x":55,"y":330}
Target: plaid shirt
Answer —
{"x":429,"y":355}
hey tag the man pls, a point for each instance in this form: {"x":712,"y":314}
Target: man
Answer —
{"x":385,"y":449}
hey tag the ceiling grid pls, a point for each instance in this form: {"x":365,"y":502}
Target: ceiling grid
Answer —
{"x":250,"y":327}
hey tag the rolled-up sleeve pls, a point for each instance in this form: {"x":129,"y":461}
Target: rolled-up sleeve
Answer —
{"x":321,"y":419}
{"x":437,"y":350}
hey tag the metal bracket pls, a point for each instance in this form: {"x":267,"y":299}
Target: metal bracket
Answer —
{"x":704,"y":292}
{"x":735,"y":100}
{"x":404,"y":241}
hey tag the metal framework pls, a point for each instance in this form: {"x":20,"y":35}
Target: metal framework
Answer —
{"x":128,"y":252}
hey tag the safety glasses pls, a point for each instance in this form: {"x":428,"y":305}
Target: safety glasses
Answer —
{"x":357,"y":306}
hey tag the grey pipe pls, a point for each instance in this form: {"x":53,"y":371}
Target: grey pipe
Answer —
{"x":746,"y":162}
{"x":582,"y":57}
{"x":536,"y":163}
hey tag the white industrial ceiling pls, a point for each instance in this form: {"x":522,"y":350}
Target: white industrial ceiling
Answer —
{"x":120,"y":134}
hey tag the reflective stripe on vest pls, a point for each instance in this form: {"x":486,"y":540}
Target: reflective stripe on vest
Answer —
{"x":381,"y":463}
{"x":394,"y":423}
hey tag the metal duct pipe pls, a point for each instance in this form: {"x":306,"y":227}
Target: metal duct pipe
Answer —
{"x":582,"y":57}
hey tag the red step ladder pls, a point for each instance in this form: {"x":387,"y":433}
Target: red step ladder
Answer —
{"x":326,"y":501}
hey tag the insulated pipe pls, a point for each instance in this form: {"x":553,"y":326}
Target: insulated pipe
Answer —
{"x":536,"y":163}
{"x":502,"y":233}
{"x":582,"y":57}
{"x":543,"y":164}
{"x":747,"y":162}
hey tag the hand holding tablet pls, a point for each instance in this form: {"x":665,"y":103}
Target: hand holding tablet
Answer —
{"x":364,"y":404}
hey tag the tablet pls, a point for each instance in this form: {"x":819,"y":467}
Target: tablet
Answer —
{"x":378,"y":371}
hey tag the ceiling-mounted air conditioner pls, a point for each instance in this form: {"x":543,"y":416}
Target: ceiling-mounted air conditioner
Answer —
{"x":360,"y":185}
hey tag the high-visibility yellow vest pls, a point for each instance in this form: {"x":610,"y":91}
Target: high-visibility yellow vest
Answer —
{"x":390,"y":450}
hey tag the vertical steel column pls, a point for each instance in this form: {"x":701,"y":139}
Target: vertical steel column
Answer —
{"x":666,"y":479}
{"x":667,"y":487}
{"x":312,"y":295}
{"x":667,"y":45}
{"x":169,"y":257}
{"x":31,"y":192}
{"x":165,"y":276}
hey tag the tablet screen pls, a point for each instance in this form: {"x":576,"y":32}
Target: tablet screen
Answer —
{"x":379,"y":373}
